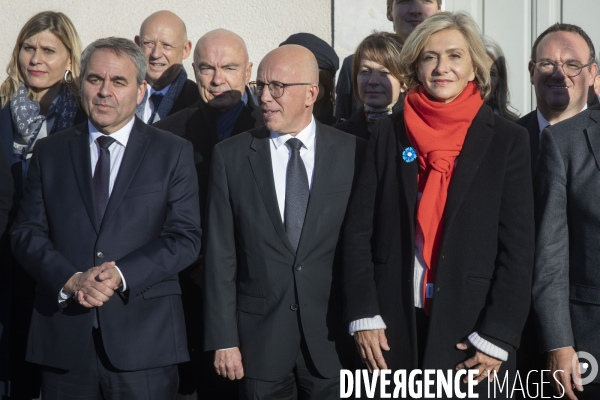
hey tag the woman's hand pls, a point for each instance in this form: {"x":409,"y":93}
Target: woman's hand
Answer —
{"x":369,"y":344}
{"x":488,"y":366}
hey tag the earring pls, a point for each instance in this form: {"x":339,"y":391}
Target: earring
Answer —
{"x":68,"y":77}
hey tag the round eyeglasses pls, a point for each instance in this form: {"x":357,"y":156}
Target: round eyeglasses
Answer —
{"x":569,"y":68}
{"x":275,"y":88}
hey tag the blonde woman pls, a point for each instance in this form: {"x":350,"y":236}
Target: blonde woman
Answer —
{"x":37,"y":99}
{"x":39,"y":96}
{"x":439,"y":232}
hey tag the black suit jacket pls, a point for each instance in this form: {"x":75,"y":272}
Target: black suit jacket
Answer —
{"x":197,"y":123}
{"x":355,"y":125}
{"x":484,"y":269}
{"x":150,"y":228}
{"x":188,"y":96}
{"x":257,"y":288}
{"x":530,"y":122}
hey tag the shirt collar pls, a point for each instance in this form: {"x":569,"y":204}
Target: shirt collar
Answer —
{"x":543,"y":122}
{"x":163,"y":91}
{"x":121,"y":136}
{"x":306,"y":136}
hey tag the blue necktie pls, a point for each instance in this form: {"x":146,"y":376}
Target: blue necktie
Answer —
{"x":296,"y":193}
{"x":156,"y":99}
{"x":102,"y":176}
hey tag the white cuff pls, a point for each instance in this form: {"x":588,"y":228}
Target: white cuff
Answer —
{"x":487,"y":347}
{"x":124,"y":287}
{"x":64,"y":296}
{"x":366,"y":324}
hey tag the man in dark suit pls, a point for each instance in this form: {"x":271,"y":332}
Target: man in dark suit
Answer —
{"x":566,"y":279}
{"x":276,"y":202}
{"x":561,"y":90}
{"x":104,"y":230}
{"x":225,"y":109}
{"x":405,"y":16}
{"x":163,"y":39}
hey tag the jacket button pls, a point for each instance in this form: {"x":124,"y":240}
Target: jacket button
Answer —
{"x":298,"y":267}
{"x":100,"y":254}
{"x":294,"y":307}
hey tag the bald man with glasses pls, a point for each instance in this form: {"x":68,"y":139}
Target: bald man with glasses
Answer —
{"x":276,"y":203}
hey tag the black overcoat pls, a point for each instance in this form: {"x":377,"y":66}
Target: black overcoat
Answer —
{"x":483,"y":281}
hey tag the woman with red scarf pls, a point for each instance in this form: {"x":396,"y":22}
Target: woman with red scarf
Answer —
{"x":439,"y":237}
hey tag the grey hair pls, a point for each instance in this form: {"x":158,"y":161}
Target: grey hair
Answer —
{"x":118,"y":46}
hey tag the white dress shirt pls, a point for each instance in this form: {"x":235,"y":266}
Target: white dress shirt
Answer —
{"x":280,"y":155}
{"x":117,"y":149}
{"x":149,"y":106}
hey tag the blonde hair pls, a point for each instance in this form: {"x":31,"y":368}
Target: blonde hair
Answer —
{"x":60,"y":26}
{"x":382,"y":47}
{"x":441,"y":21}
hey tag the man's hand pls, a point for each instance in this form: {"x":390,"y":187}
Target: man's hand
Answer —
{"x":369,"y":344}
{"x":562,"y":359}
{"x":110,"y":273}
{"x":88,"y":290}
{"x":488,"y":366}
{"x":228,"y":363}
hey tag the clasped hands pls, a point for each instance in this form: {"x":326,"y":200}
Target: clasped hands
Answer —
{"x":370,"y":344}
{"x":95,"y":286}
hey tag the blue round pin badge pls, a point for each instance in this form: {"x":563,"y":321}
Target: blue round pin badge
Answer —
{"x":409,"y":154}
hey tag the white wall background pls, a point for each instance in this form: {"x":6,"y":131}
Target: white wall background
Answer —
{"x":262,"y":23}
{"x":266,"y":23}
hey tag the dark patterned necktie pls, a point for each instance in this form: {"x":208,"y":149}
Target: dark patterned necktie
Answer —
{"x":156,"y":99}
{"x":296,"y":193}
{"x":102,"y":176}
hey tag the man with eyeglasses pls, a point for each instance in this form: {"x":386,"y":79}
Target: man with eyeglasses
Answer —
{"x":225,"y":109}
{"x":562,"y":68}
{"x":276,"y":203}
{"x":566,"y":278}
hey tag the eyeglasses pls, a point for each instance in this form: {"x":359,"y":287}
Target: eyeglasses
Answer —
{"x":275,"y":88}
{"x":570,"y":68}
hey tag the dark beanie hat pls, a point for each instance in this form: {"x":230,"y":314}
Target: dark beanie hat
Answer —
{"x":324,"y":53}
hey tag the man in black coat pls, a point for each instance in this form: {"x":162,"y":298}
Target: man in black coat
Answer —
{"x":276,"y":203}
{"x":225,"y":109}
{"x":109,"y":217}
{"x":163,"y":39}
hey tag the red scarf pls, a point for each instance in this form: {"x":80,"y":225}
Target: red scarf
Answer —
{"x":437,"y":131}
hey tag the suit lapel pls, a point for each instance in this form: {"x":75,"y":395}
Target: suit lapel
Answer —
{"x":79,"y":146}
{"x":325,"y":161}
{"x":262,"y":168}
{"x":407,"y":173}
{"x":593,"y":134}
{"x":473,"y":151}
{"x":134,"y":153}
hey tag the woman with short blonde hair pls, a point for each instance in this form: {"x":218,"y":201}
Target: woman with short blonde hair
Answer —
{"x":439,"y":232}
